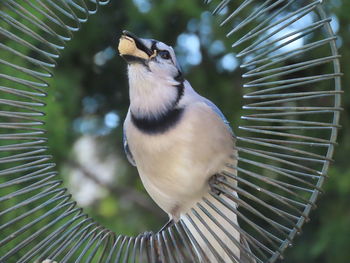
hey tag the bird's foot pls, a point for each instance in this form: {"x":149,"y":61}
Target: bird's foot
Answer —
{"x":147,"y":234}
{"x":214,"y":181}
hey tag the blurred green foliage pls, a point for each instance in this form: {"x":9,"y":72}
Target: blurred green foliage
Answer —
{"x":89,"y":98}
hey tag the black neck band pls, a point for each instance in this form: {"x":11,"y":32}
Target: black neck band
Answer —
{"x":165,"y":121}
{"x":159,"y":124}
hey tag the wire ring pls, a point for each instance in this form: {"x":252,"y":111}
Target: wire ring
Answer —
{"x":284,"y":152}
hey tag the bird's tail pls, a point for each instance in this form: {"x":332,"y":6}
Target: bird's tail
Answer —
{"x":214,"y":229}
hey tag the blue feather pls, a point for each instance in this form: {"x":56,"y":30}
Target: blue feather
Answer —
{"x":127,"y":149}
{"x":219,"y":113}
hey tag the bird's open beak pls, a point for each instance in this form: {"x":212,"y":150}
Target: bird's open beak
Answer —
{"x":132,"y":48}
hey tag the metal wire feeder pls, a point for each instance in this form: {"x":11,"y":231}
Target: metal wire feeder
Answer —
{"x":288,"y":140}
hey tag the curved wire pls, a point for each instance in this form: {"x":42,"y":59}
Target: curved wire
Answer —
{"x":290,"y":130}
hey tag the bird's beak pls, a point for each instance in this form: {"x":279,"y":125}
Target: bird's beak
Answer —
{"x":132,"y":48}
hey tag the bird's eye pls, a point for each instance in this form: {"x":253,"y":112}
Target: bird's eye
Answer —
{"x":164,"y":54}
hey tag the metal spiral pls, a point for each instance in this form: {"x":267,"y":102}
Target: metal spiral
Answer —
{"x":289,"y":133}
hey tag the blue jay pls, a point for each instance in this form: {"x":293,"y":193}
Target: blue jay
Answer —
{"x":178,"y":140}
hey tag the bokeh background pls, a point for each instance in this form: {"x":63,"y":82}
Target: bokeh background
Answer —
{"x":88,"y":100}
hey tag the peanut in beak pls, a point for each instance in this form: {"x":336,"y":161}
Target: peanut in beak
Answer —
{"x":127,"y":46}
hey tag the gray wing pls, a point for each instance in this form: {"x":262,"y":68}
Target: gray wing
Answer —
{"x":219,"y":113}
{"x":127,"y":149}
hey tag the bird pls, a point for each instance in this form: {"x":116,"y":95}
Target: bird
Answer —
{"x":179,"y":142}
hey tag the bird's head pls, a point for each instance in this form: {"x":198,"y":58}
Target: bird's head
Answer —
{"x":153,"y":56}
{"x":155,"y":77}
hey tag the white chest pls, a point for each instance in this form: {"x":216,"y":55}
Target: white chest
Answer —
{"x":175,"y":166}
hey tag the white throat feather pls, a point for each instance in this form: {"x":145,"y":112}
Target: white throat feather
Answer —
{"x":150,"y":96}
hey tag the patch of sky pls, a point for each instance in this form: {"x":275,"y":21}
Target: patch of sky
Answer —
{"x":188,"y":50}
{"x":247,"y":59}
{"x":339,"y":42}
{"x":144,"y":6}
{"x":335,"y":23}
{"x":223,"y":11}
{"x":216,"y":48}
{"x":286,"y":36}
{"x":91,"y":125}
{"x":205,"y":28}
{"x":86,"y":125}
{"x":228,"y":63}
{"x":102,"y":57}
{"x":112,"y":119}
{"x":303,"y":21}
{"x":91,"y":104}
{"x":96,"y":126}
{"x":192,"y":25}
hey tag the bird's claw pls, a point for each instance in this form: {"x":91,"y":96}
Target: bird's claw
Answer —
{"x":213,"y":181}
